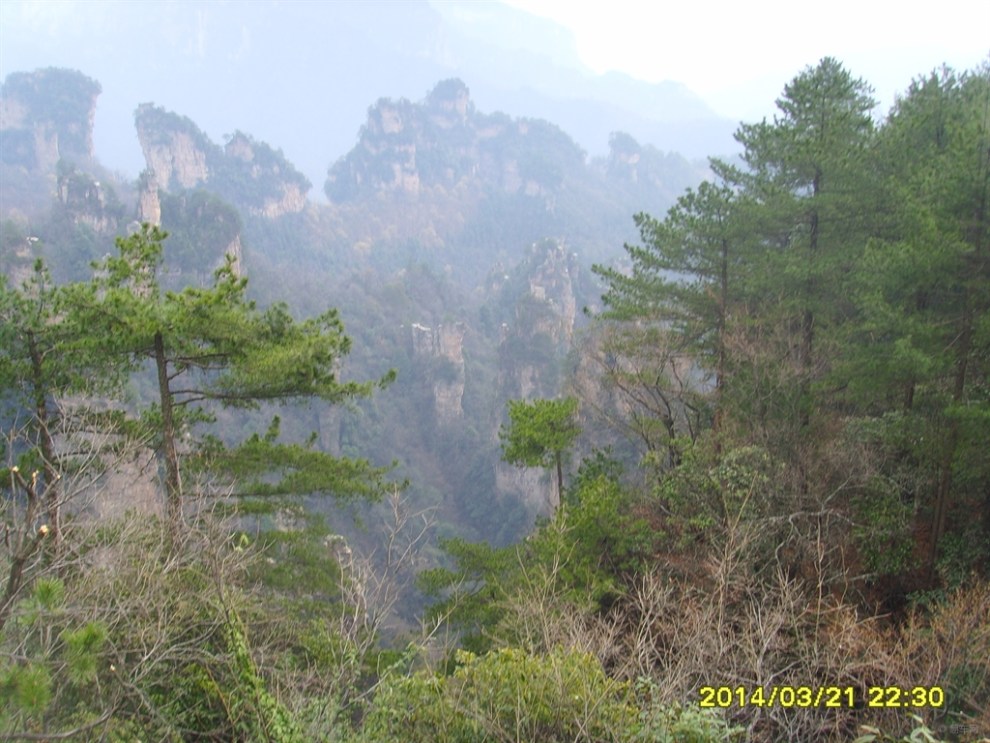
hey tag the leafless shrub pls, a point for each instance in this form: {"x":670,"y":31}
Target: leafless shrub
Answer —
{"x":45,"y":505}
{"x":746,"y":631}
{"x":338,"y":672}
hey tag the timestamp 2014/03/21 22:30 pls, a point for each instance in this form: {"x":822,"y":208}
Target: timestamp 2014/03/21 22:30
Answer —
{"x":821,"y":696}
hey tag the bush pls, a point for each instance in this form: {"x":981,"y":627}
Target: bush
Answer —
{"x":506,"y":695}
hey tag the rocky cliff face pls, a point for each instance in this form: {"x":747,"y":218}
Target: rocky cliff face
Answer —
{"x":269,"y":182}
{"x":646,"y":170}
{"x":443,"y":142}
{"x":177,"y":153}
{"x":531,"y":350}
{"x":532,"y":486}
{"x":45,"y":116}
{"x":175,"y":160}
{"x":250,"y":174}
{"x":87,"y":201}
{"x":543,"y":324}
{"x":442,"y":348}
{"x":149,"y":202}
{"x":553,"y":282}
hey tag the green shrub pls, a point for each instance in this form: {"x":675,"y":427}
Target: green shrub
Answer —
{"x":506,"y":694}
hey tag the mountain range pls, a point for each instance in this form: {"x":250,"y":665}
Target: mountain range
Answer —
{"x":300,"y":75}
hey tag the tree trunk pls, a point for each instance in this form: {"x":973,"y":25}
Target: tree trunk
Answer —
{"x":720,"y":354}
{"x":46,"y":445}
{"x":173,"y":484}
{"x":24,"y":543}
{"x":952,"y":441}
{"x":808,"y":316}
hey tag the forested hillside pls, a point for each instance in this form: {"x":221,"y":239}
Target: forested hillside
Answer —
{"x":438,"y":461}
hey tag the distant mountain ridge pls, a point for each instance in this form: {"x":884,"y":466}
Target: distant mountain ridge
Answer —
{"x":214,"y":63}
{"x":457,"y":179}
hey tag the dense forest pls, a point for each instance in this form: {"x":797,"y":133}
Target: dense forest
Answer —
{"x":744,"y":496}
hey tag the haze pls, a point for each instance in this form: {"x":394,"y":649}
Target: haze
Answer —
{"x":301,"y":75}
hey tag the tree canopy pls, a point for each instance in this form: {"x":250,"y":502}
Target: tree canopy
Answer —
{"x":539,"y":433}
{"x":214,"y":346}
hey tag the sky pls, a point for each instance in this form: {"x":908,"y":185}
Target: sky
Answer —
{"x":739,"y":54}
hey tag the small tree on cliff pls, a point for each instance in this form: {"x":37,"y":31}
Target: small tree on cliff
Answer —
{"x":539,"y":433}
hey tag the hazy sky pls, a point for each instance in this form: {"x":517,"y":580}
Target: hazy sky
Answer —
{"x":739,"y":54}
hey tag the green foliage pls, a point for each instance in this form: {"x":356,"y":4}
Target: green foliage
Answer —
{"x":678,"y":723}
{"x":28,"y":690}
{"x":509,"y":694}
{"x":263,"y":468}
{"x":539,"y":433}
{"x":679,"y":302}
{"x":147,"y":639}
{"x":47,"y":357}
{"x":83,"y":648}
{"x":561,"y":696}
{"x":471,"y":595}
{"x":826,"y":295}
{"x":49,"y":593}
{"x":298,"y":565}
{"x":681,"y":272}
{"x":712,"y":491}
{"x":599,"y":513}
{"x":213,"y":345}
{"x":239,"y":702}
{"x":917,"y":355}
{"x":201,"y":227}
{"x":593,"y":543}
{"x":52,"y":670}
{"x":34,"y":323}
{"x":920,"y":734}
{"x":882,"y":531}
{"x":581,"y":557}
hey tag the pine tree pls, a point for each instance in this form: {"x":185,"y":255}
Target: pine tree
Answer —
{"x":539,"y":433}
{"x":683,"y":283}
{"x":44,"y":359}
{"x":213,"y":347}
{"x":806,"y":178}
{"x":923,"y":293}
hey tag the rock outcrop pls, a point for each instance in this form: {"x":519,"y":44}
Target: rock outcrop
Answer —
{"x":553,"y":282}
{"x":272,"y":187}
{"x":442,"y":348}
{"x":532,"y":486}
{"x":45,"y":116}
{"x":647,"y":170}
{"x":87,"y":200}
{"x":443,"y":142}
{"x":149,"y":201}
{"x":248,"y":173}
{"x":542,"y":325}
{"x":177,"y":153}
{"x":531,"y":349}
